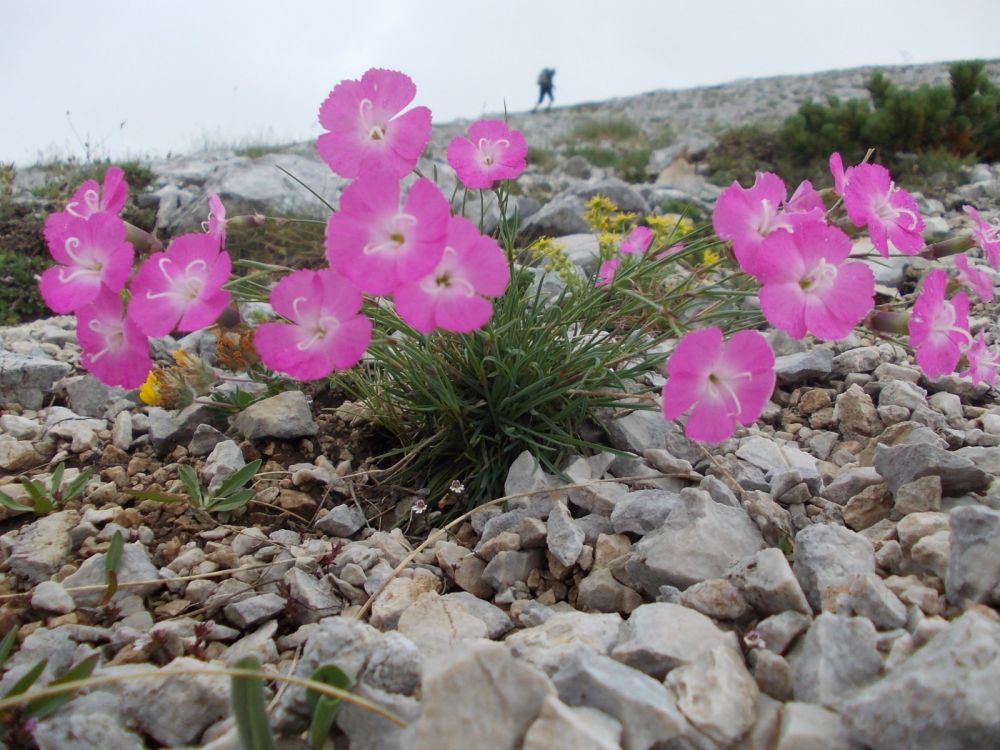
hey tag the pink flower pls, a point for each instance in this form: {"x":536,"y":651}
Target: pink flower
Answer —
{"x":805,"y":198}
{"x":606,"y":273}
{"x":365,"y":132}
{"x":983,"y":362}
{"x":637,"y":241}
{"x":325,"y":331}
{"x":89,"y":199}
{"x":939,"y":329}
{"x":90,"y":253}
{"x":453,"y":295}
{"x":182,"y":287}
{"x":889,"y":212}
{"x":216,"y":224}
{"x":491,"y":152}
{"x":808,"y":286}
{"x":748,"y":215}
{"x":979,"y":282}
{"x":722,"y":385}
{"x":987,"y":236}
{"x":379,"y":246}
{"x":114,"y":350}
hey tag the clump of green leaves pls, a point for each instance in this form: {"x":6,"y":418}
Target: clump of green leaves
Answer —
{"x":463,"y":407}
{"x":231,"y":495}
{"x":45,"y":499}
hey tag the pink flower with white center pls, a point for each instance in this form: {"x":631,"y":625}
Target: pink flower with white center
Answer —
{"x":987,"y":237}
{"x":939,"y":329}
{"x":979,"y":282}
{"x":983,"y":362}
{"x":491,"y":152}
{"x":747,"y":215}
{"x":366,"y":130}
{"x":606,"y":273}
{"x":325,"y":331}
{"x":807,"y":285}
{"x":216,"y":224}
{"x":90,"y":253}
{"x":453,"y":296}
{"x":90,"y":199}
{"x":722,"y":385}
{"x":637,"y":241}
{"x":377,"y":244}
{"x":182,"y":287}
{"x":890,"y":213}
{"x":113,"y":348}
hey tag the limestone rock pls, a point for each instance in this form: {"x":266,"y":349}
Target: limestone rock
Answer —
{"x":482,"y":697}
{"x":943,"y":697}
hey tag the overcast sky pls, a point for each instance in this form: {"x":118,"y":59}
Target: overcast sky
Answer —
{"x":131,"y":77}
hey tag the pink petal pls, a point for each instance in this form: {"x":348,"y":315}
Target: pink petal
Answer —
{"x":784,"y":304}
{"x":460,"y":314}
{"x":390,"y":90}
{"x":65,"y":298}
{"x":115,"y":190}
{"x":407,"y":137}
{"x":680,"y":393}
{"x":696,"y":353}
{"x":710,"y":421}
{"x":462,"y":158}
{"x":415,"y":307}
{"x":837,"y":170}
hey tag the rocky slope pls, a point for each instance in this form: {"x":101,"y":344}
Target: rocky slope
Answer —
{"x":826,"y":578}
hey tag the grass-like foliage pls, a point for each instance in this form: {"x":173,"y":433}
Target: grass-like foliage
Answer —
{"x":617,"y":143}
{"x":463,"y":407}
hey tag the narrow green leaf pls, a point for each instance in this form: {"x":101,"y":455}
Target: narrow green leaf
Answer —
{"x":77,"y":485}
{"x":114,"y":554}
{"x":36,"y":492}
{"x":223,"y":504}
{"x":42,"y":707}
{"x":8,"y":502}
{"x":7,"y":644}
{"x":27,"y":679}
{"x":191,"y":484}
{"x":324,"y":707}
{"x":250,"y":710}
{"x":111,"y":559}
{"x":111,"y":588}
{"x":238,"y":479}
{"x":57,"y":476}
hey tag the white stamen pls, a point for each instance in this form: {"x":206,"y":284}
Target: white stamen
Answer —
{"x":71,"y":244}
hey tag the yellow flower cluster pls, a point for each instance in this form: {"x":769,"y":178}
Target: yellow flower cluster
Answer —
{"x":669,"y":227}
{"x":549,"y":253}
{"x":175,"y":386}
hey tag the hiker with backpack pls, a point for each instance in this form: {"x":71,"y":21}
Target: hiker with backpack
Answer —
{"x":545,"y":87}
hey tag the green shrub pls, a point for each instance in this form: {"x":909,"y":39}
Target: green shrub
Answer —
{"x":961,"y":120}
